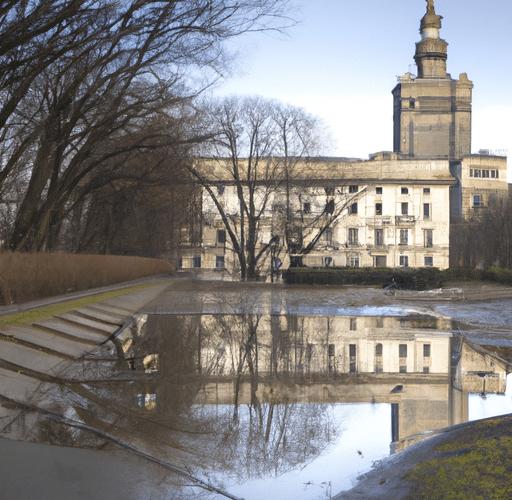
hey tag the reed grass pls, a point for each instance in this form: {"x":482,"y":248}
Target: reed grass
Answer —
{"x":25,"y":276}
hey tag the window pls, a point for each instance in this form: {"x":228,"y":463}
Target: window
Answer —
{"x":426,"y":211}
{"x":353,"y":323}
{"x":429,"y":261}
{"x":426,"y":190}
{"x":378,"y":208}
{"x":196,"y":261}
{"x":403,"y":369}
{"x":352,"y":209}
{"x":404,"y":260}
{"x":378,"y":190}
{"x":329,"y":207}
{"x":328,"y":236}
{"x":309,"y":352}
{"x":327,"y":261}
{"x":220,"y":190}
{"x":307,"y":208}
{"x":405,"y":208}
{"x":353,"y":189}
{"x":426,"y":350}
{"x":426,"y":369}
{"x":404,"y":191}
{"x":428,"y":237}
{"x":477,"y":201}
{"x":353,"y":236}
{"x":221,"y":236}
{"x":352,"y":354}
{"x":380,"y":261}
{"x":378,"y":350}
{"x":353,"y":261}
{"x":404,"y":236}
{"x":331,"y":349}
{"x":219,"y":261}
{"x":402,"y":350}
{"x":485,"y":174}
{"x":379,"y":237}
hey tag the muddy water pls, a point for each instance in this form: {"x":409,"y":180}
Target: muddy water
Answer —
{"x":297,"y":406}
{"x":262,"y":392}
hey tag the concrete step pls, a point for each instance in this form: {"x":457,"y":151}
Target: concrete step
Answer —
{"x":67,"y":347}
{"x":70,"y":331}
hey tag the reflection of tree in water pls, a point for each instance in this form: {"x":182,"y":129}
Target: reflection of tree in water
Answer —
{"x":172,"y":357}
{"x":259,"y":439}
{"x":273,"y":438}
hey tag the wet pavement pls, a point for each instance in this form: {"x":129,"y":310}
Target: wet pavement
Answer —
{"x":33,"y":358}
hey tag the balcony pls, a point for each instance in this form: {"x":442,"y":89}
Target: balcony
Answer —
{"x":379,"y":221}
{"x":405,"y":220}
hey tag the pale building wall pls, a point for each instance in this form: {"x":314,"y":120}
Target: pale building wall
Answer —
{"x":484,"y":176}
{"x":427,"y":182}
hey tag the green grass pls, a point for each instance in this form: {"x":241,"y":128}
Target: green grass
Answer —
{"x":62,"y":307}
{"x":476,"y":466}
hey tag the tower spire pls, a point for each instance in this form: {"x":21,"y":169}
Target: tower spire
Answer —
{"x":431,"y":52}
{"x":432,"y":113}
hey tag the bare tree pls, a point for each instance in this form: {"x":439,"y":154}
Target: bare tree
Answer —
{"x":493,"y":246}
{"x":258,"y":169}
{"x":257,"y":148}
{"x":79,"y":74}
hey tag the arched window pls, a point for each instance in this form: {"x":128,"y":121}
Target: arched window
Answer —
{"x":378,"y":350}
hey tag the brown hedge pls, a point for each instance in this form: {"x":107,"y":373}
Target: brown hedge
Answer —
{"x":25,"y":276}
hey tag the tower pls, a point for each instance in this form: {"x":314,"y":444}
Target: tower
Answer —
{"x":432,"y":112}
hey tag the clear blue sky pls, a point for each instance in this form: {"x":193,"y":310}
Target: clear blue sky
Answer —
{"x":344,"y":57}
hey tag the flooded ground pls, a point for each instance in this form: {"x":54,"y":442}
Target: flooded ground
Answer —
{"x":259,"y":391}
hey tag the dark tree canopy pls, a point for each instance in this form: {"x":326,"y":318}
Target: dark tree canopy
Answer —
{"x":79,"y":79}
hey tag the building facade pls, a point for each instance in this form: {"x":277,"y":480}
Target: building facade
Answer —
{"x":393,"y":210}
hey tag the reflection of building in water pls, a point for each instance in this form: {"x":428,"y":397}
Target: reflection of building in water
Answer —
{"x":335,"y":344}
{"x":412,"y":363}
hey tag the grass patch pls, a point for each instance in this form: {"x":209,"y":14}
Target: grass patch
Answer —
{"x":25,"y":277}
{"x":62,"y":307}
{"x":477,"y":465}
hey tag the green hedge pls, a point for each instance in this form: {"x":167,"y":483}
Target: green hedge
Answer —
{"x":498,"y":275}
{"x":423,"y":278}
{"x":463,"y":274}
{"x":417,"y":279}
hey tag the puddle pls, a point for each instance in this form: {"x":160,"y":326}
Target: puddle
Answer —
{"x":268,"y":399}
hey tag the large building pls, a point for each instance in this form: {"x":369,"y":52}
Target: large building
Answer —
{"x":393,"y":210}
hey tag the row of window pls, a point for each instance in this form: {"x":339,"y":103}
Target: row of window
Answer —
{"x":353,"y":208}
{"x":196,"y":262}
{"x":428,"y":237}
{"x":353,"y":188}
{"x":404,"y":261}
{"x":483,"y":173}
{"x":380,"y":261}
{"x":402,"y":354}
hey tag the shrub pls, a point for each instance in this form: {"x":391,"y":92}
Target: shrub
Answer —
{"x":417,"y":279}
{"x":463,"y":274}
{"x":498,"y":275}
{"x":27,"y":276}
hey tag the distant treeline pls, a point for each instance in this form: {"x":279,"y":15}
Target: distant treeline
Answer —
{"x":27,"y":276}
{"x":412,"y":279}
